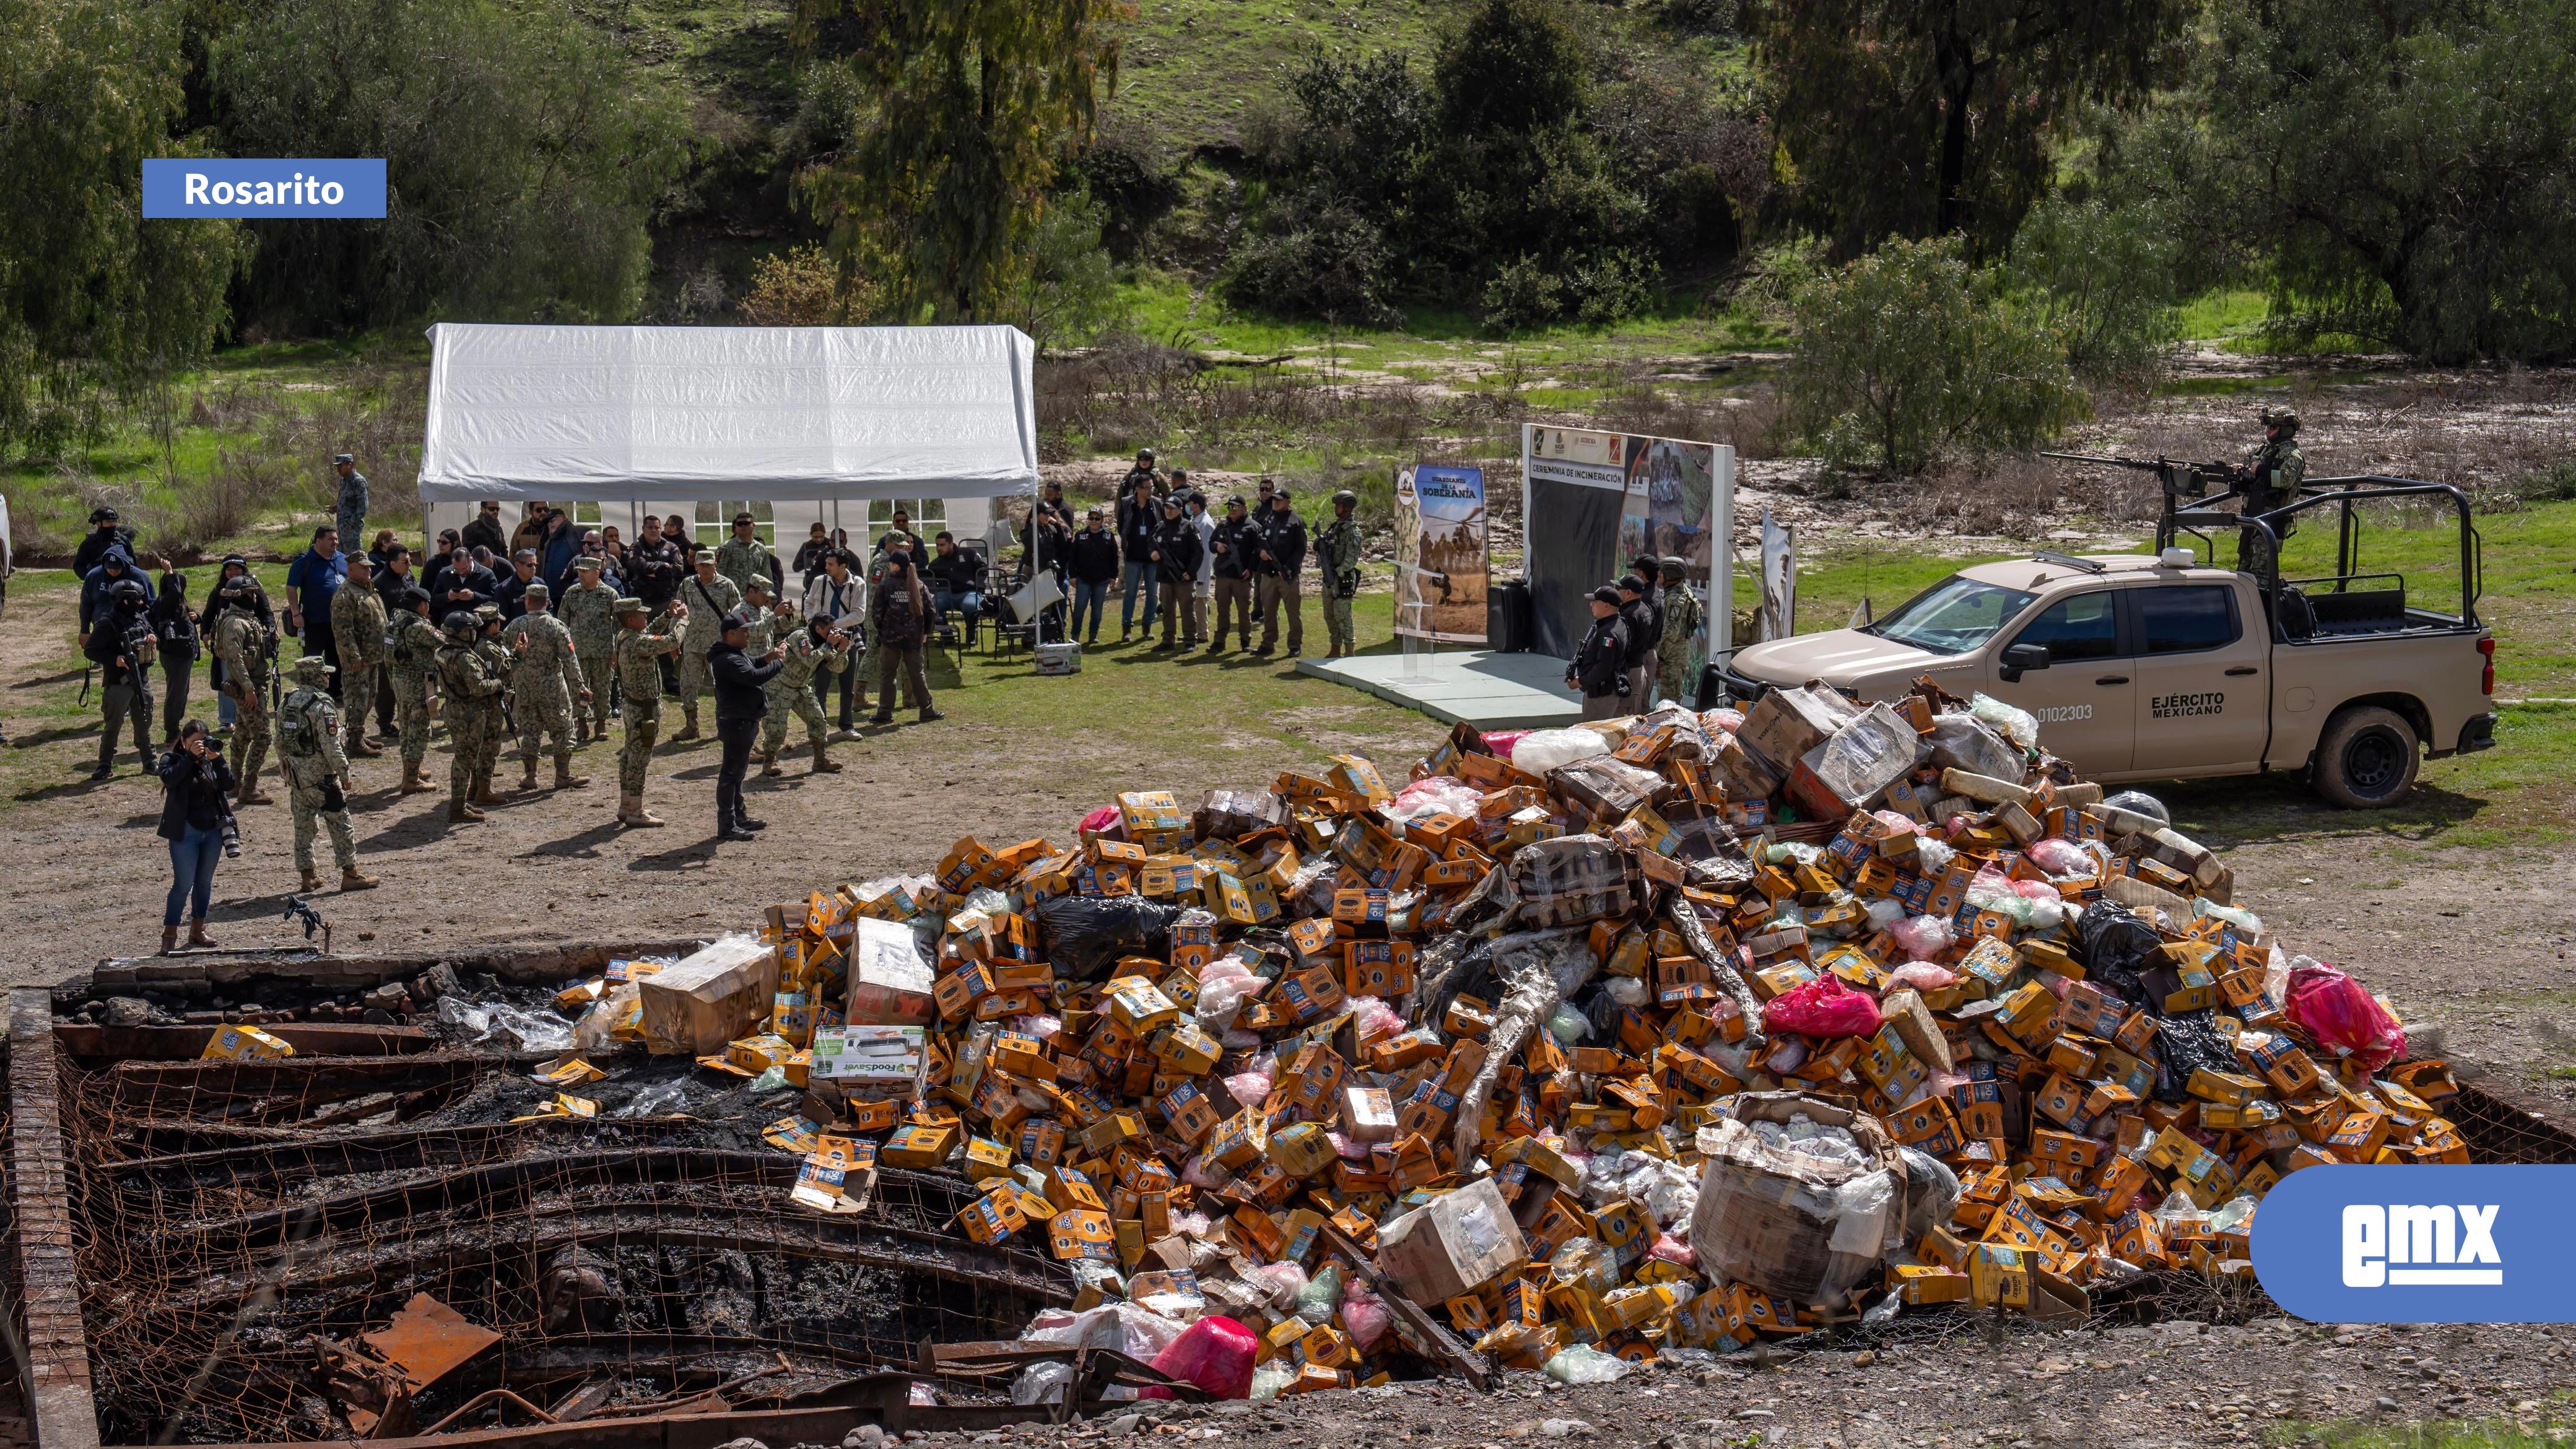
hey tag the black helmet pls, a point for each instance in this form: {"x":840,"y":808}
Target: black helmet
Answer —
{"x":412,"y":597}
{"x":1343,"y":497}
{"x":128,"y":591}
{"x":102,"y":514}
{"x":460,"y":626}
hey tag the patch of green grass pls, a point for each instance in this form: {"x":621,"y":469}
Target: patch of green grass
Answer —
{"x":2224,"y":313}
{"x":2537,"y":1432}
{"x":1195,"y":69}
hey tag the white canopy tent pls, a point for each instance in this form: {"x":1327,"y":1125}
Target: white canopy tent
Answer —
{"x":804,"y":419}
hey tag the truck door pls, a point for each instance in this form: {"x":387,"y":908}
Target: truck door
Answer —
{"x":2204,"y":698}
{"x":2085,"y":698}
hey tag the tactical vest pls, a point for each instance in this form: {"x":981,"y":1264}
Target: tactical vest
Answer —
{"x":298,"y":731}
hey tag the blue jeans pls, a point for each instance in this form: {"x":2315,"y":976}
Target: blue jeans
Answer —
{"x":1092,"y":598}
{"x":192,"y":873}
{"x":1139,"y":578}
{"x":969,"y":604}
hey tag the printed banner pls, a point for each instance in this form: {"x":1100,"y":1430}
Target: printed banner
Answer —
{"x":1666,"y":493}
{"x":2421,"y":1243}
{"x":1440,"y":570}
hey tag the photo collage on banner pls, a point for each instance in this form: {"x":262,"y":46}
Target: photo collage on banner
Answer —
{"x":1440,"y":569}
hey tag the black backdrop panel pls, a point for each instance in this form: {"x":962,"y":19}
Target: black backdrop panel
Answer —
{"x":1573,"y":548}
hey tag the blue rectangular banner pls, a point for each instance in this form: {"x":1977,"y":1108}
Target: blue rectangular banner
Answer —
{"x":2421,"y":1243}
{"x":263,"y":189}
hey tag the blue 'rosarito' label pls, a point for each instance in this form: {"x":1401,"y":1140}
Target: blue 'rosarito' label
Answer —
{"x":256,"y":189}
{"x":2420,"y":1244}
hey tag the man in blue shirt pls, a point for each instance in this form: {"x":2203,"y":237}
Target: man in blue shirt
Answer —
{"x":311,"y":580}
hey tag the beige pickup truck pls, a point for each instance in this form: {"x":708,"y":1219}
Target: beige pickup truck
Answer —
{"x":2155,"y":667}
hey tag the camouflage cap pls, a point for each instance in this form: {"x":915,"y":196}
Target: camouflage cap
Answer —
{"x":629,"y":604}
{"x":586,"y":563}
{"x":756,"y":585}
{"x":312,"y":668}
{"x":536,"y":589}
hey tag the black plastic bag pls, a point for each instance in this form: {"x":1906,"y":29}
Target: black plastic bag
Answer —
{"x":2189,"y":1041}
{"x":2117,"y":946}
{"x":1087,"y":934}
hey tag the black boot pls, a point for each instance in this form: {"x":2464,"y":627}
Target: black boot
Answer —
{"x":746,"y":823}
{"x":729,"y":830}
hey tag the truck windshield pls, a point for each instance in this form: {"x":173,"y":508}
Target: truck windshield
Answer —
{"x":1953,"y":616}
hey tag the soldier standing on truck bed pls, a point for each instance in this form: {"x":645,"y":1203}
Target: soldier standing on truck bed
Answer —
{"x":2270,"y":479}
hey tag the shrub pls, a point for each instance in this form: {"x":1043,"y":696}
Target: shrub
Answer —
{"x":1523,"y":297}
{"x":1333,"y":263}
{"x":1906,"y":354}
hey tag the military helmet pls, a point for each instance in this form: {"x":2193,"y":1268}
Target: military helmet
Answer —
{"x":412,"y":597}
{"x":1344,"y":496}
{"x":238,"y":587}
{"x":2287,"y":420}
{"x":1675,"y":565}
{"x":460,"y":626}
{"x":312,"y":669}
{"x":128,"y":591}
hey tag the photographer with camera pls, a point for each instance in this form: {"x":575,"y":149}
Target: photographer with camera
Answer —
{"x":197,"y":820}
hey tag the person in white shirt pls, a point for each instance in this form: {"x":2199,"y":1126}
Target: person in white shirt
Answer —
{"x":1202,"y":587}
{"x":840,"y":595}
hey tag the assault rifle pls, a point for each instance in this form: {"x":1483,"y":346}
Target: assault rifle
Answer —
{"x":2185,"y":481}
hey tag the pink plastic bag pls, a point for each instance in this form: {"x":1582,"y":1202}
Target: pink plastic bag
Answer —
{"x":1365,"y":1315}
{"x":1923,"y":976}
{"x":1103,"y":819}
{"x":1824,"y":1007}
{"x":1214,"y":1353}
{"x":1500,"y":742}
{"x":2341,"y":1017}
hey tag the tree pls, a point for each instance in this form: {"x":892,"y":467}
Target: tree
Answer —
{"x":2405,"y":170}
{"x":804,"y":288}
{"x":95,"y":302}
{"x":2102,"y":278}
{"x":1905,"y":354}
{"x":1919,"y":118}
{"x":974,"y":110}
{"x":524,"y":159}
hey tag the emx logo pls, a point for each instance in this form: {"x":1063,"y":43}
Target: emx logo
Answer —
{"x":2419,"y":1244}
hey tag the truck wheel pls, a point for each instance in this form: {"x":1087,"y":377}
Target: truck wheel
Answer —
{"x":2367,"y":759}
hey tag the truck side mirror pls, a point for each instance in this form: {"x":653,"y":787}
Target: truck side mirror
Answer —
{"x":2020,"y":657}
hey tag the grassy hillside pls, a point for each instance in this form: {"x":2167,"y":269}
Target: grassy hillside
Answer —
{"x":1194,"y":69}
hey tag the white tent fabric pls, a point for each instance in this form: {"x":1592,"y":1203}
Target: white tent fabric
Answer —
{"x":807,"y":413}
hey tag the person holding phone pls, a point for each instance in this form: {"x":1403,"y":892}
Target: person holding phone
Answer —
{"x":196,"y":809}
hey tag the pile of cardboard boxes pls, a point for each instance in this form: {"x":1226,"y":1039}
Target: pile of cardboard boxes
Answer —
{"x":1532,"y":1052}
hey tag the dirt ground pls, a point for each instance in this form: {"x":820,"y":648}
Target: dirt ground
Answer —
{"x":2178,"y":1383}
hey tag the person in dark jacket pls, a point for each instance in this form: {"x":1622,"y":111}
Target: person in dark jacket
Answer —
{"x":122,"y":647}
{"x":1139,"y":519}
{"x":1091,"y":557}
{"x":1648,"y":570}
{"x":1600,"y":667}
{"x":115,"y":562}
{"x":1639,"y":615}
{"x":434,"y":563}
{"x":654,"y":568}
{"x":486,"y":530}
{"x":464,"y":587}
{"x":955,"y":578}
{"x":1176,"y":554}
{"x":1234,"y":543}
{"x":105,"y":533}
{"x":808,"y":562}
{"x":742,"y":697}
{"x":174,"y":635}
{"x":1275,"y":573}
{"x":511,"y":592}
{"x":196,"y":814}
{"x":898,"y":617}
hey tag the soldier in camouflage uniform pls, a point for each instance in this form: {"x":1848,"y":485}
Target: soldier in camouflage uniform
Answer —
{"x":761,"y":605}
{"x":744,"y":557}
{"x":471,"y":691}
{"x":639,"y":680}
{"x":358,"y":628}
{"x":546,"y":684}
{"x":1337,"y":553}
{"x":317,"y":774}
{"x":812,"y":649}
{"x":710,"y":596}
{"x":496,"y":653}
{"x":1683,"y":613}
{"x":589,"y":610}
{"x":411,"y":662}
{"x":246,"y":645}
{"x":2270,"y":479}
